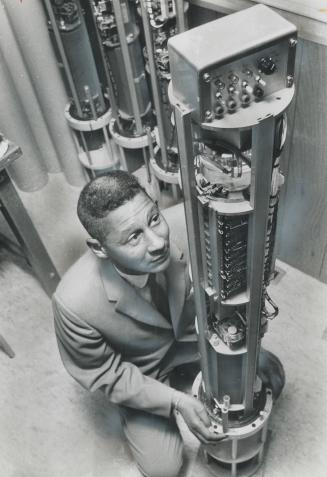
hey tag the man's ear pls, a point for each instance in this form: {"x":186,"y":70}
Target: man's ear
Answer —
{"x":96,"y":248}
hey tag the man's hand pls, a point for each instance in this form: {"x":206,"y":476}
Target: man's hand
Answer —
{"x":197,"y":419}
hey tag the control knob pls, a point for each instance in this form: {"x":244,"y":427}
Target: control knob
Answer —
{"x":267,"y":65}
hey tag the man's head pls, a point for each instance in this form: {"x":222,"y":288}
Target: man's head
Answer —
{"x":124,"y":223}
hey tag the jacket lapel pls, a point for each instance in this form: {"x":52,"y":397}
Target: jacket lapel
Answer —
{"x":127,"y":300}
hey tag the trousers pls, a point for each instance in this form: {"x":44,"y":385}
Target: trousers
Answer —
{"x":155,"y":442}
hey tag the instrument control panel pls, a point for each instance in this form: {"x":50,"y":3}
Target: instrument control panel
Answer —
{"x":252,"y":68}
{"x":257,"y":77}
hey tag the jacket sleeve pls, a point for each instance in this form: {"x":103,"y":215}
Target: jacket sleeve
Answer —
{"x":91,"y":361}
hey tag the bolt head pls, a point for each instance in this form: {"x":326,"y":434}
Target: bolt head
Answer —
{"x":289,"y":81}
{"x":292,"y":42}
{"x":232,"y":330}
{"x":208,"y":115}
{"x":206,"y":77}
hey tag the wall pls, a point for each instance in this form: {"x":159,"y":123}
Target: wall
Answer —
{"x":302,"y":240}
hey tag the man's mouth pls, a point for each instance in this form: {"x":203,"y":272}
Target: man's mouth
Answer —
{"x":163,"y":257}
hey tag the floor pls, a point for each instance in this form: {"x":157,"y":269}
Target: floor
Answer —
{"x":51,"y":427}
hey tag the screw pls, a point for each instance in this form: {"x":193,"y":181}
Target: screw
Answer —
{"x":289,"y":81}
{"x":215,"y":339}
{"x":248,"y":72}
{"x":232,"y":330}
{"x":208,"y":115}
{"x":233,"y":78}
{"x":219,"y":110}
{"x":206,"y":77}
{"x":226,"y":400}
{"x":220,"y":85}
{"x":292,"y":42}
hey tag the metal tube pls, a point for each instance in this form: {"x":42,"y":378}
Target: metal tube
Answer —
{"x":164,"y":8}
{"x":224,"y":413}
{"x":180,"y":15}
{"x":224,"y":419}
{"x":154,"y":84}
{"x":128,"y":64}
{"x":109,"y":89}
{"x":63,"y":57}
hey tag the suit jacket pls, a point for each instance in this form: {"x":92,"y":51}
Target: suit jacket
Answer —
{"x":112,"y":339}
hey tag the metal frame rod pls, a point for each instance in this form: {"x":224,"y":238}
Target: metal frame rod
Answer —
{"x":86,"y":149}
{"x":108,"y":144}
{"x":261,"y":170}
{"x":164,"y":8}
{"x":180,"y":15}
{"x":128,"y":65}
{"x":154,"y":84}
{"x":185,"y":146}
{"x":123,"y":158}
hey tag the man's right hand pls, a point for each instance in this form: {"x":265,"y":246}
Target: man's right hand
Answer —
{"x":197,"y":419}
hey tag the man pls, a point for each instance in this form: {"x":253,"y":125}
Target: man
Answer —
{"x":124,"y":320}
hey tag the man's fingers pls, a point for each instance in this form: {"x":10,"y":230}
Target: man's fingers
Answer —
{"x":211,"y":441}
{"x":206,"y":434}
{"x":201,"y":439}
{"x":198,"y":421}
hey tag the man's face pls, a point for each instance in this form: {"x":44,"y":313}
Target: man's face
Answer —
{"x":138,"y":237}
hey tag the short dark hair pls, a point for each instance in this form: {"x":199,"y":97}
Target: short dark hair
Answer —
{"x":102,"y":195}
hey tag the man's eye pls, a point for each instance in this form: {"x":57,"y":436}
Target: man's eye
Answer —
{"x":155,"y":219}
{"x":134,"y":237}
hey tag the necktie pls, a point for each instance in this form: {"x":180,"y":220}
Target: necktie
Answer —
{"x":158,"y":294}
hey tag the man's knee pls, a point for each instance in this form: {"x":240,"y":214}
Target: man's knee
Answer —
{"x":155,"y":442}
{"x":163,"y":467}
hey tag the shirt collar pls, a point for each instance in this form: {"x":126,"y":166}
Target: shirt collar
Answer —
{"x":137,"y":281}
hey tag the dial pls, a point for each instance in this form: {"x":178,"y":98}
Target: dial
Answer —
{"x":267,"y":65}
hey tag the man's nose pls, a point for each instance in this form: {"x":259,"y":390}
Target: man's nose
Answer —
{"x":156,"y":243}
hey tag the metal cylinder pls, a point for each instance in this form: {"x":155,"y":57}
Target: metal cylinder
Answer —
{"x":231,"y":382}
{"x":119,"y":76}
{"x":78,"y":51}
